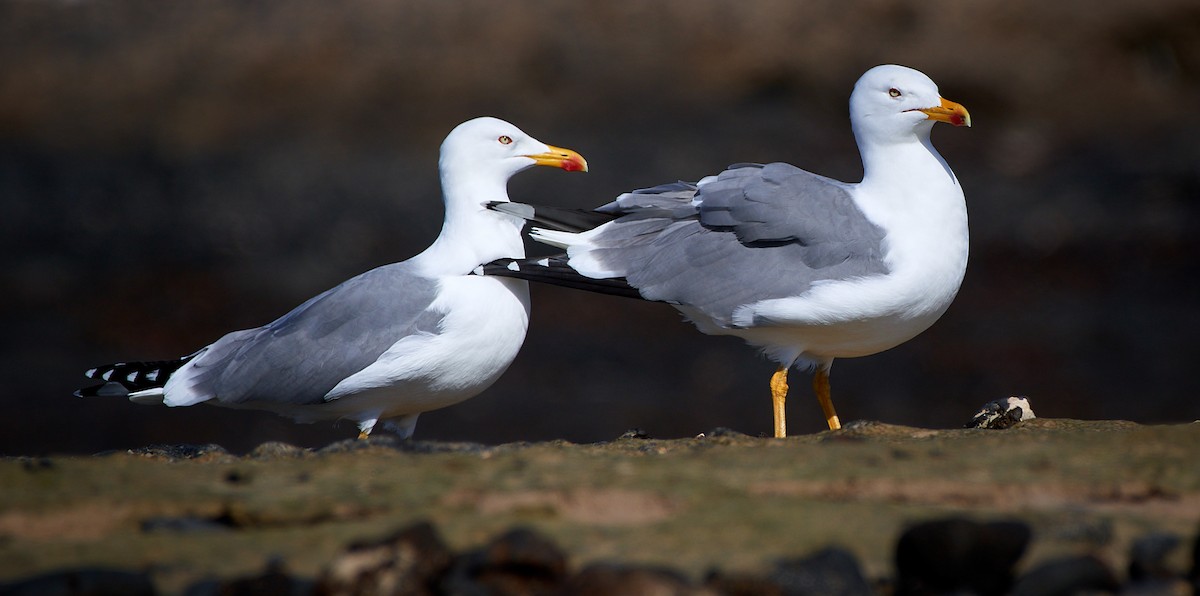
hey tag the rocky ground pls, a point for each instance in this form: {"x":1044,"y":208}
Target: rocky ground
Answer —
{"x":1107,"y":503}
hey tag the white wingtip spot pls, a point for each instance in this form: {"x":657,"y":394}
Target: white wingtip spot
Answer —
{"x":149,"y":397}
{"x":152,"y":376}
{"x":477,"y":271}
{"x":513,"y":266}
{"x":132,"y":377}
{"x":106,"y":375}
{"x":543,"y":262}
{"x":91,"y":372}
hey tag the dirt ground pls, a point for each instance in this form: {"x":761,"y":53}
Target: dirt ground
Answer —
{"x":722,"y":501}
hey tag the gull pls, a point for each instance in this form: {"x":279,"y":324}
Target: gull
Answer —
{"x":393,"y":342}
{"x":804,"y":267}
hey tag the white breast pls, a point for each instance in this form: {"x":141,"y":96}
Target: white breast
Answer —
{"x":926,"y":252}
{"x":483,"y":329}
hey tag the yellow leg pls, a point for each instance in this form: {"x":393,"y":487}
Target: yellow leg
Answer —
{"x":779,"y":389}
{"x":821,"y":387}
{"x":362,"y":434}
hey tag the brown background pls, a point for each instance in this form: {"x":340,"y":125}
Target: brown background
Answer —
{"x":172,"y":172}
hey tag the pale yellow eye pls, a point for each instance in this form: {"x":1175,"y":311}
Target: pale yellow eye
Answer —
{"x":505,"y":140}
{"x":894,"y":92}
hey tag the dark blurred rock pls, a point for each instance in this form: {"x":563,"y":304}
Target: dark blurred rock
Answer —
{"x":1194,"y":574}
{"x":950,"y":555}
{"x":521,"y":561}
{"x":741,"y":584}
{"x":409,"y":562}
{"x":1073,"y":575}
{"x":605,"y":579}
{"x":274,"y":581}
{"x":1148,"y":557}
{"x":832,"y":571}
{"x":82,"y":582}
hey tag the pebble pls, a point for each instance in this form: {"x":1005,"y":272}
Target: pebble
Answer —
{"x":1003,"y":413}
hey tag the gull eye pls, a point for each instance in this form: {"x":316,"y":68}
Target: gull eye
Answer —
{"x":894,"y":92}
{"x":505,"y":140}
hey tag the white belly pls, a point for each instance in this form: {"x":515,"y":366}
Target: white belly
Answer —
{"x":850,"y":318}
{"x":482,"y":332}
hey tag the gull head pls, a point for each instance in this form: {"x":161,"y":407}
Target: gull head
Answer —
{"x":894,"y":103}
{"x":494,"y":150}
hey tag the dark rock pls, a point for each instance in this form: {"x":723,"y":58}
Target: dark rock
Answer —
{"x":1072,"y":575}
{"x":1194,"y":574}
{"x":274,"y":581}
{"x":1148,"y":557}
{"x":830,"y":572}
{"x":1149,"y":570}
{"x":520,"y":561}
{"x":959,"y":555}
{"x":741,"y":584}
{"x":409,"y":562}
{"x":82,"y":582}
{"x":610,"y":579}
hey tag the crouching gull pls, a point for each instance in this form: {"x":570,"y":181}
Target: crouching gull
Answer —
{"x":395,"y":341}
{"x":805,"y":267}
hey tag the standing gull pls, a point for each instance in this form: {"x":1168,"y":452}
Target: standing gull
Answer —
{"x":805,"y":267}
{"x":393,"y":342}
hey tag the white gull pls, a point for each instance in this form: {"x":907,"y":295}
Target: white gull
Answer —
{"x":807,"y":268}
{"x":393,"y":342}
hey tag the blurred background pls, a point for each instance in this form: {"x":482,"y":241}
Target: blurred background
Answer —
{"x":170,"y":172}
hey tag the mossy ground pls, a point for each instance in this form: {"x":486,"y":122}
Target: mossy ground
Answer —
{"x":725,"y":501}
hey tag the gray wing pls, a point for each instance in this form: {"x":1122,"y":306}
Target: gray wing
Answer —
{"x":753,"y":233}
{"x":302,"y":355}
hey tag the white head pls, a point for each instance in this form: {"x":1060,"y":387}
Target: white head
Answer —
{"x":491,"y":150}
{"x":478,"y":157}
{"x":894,"y":103}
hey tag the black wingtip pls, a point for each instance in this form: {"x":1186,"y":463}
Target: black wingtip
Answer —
{"x":106,"y":389}
{"x":555,"y":271}
{"x":123,"y":378}
{"x":555,"y":218}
